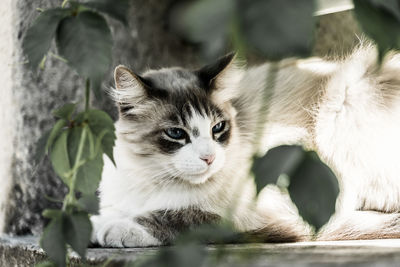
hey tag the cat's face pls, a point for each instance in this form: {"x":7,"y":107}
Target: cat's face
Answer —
{"x":180,"y":121}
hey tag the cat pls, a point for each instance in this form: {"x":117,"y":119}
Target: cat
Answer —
{"x":346,"y":109}
{"x":185,"y":142}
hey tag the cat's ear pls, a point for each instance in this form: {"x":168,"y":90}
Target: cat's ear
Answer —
{"x":125,"y":79}
{"x":221,"y":78}
{"x":130,"y":89}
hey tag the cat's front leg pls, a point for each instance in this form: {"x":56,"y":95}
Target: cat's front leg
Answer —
{"x":121,"y":232}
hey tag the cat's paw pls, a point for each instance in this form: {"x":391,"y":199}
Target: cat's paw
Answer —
{"x":123,"y":233}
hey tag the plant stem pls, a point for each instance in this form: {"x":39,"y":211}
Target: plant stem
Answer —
{"x":264,"y":107}
{"x":70,"y":198}
{"x":237,"y":38}
{"x":58,"y":57}
{"x":87,"y":94}
{"x":64,"y":3}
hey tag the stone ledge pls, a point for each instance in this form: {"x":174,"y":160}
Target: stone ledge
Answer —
{"x":25,"y":251}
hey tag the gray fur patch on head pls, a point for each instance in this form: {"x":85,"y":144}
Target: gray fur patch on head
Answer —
{"x":172,"y":79}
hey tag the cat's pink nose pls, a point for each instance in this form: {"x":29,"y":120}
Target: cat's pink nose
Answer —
{"x":208,"y":159}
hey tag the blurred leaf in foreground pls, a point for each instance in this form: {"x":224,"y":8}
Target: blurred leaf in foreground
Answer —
{"x":278,"y":28}
{"x":312,"y":185}
{"x":273,"y":28}
{"x":205,"y":22}
{"x":380,"y":20}
{"x":114,"y":8}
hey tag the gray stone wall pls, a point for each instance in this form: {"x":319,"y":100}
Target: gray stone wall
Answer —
{"x":27,"y":98}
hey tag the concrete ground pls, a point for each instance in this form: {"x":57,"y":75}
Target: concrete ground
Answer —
{"x":24,"y":251}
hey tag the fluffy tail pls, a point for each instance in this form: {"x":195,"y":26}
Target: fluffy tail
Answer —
{"x":361,"y":225}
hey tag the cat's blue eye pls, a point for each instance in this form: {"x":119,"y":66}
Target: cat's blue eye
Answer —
{"x":219,"y":127}
{"x":175,"y":133}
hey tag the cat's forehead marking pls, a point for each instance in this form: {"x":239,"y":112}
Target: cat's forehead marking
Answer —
{"x":195,"y":132}
{"x":172,"y":79}
{"x":200,"y":125}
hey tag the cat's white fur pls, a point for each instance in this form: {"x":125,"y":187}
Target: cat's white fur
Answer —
{"x":357,"y":133}
{"x":349,"y":113}
{"x":347,"y":110}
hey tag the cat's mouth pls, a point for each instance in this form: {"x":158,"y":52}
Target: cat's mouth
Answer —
{"x":197,"y":178}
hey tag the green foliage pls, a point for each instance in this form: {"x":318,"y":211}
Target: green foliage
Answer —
{"x":66,"y":227}
{"x":116,"y":9}
{"x":65,"y":112}
{"x":76,"y":156}
{"x":40,"y":35}
{"x":251,"y":24}
{"x":381,"y":21}
{"x":103,"y":128}
{"x":89,"y":174}
{"x":59,"y":158}
{"x":52,"y":240}
{"x":311,"y":184}
{"x":189,"y":21}
{"x":85,"y":41}
{"x":277,"y":37}
{"x":54,"y":133}
{"x":89,"y":202}
{"x":75,"y":144}
{"x":77,"y":231}
{"x":83,"y":37}
{"x":46,"y":264}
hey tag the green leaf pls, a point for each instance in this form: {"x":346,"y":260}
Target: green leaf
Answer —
{"x":312,"y":185}
{"x":314,"y":188}
{"x":277,"y":28}
{"x":115,"y":8}
{"x":85,"y":41}
{"x":77,"y":231}
{"x":99,"y":120}
{"x":55,"y":131}
{"x":40,"y":35}
{"x":53,"y":242}
{"x":65,"y":112}
{"x":52,"y":213}
{"x":206,"y":22}
{"x":41,"y":147}
{"x":89,"y":175}
{"x":46,"y":264}
{"x":284,"y":160}
{"x":74,"y":137}
{"x":59,"y":157}
{"x":89,"y":203}
{"x":380,"y":20}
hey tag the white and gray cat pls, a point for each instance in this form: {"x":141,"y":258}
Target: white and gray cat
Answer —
{"x":185,"y":141}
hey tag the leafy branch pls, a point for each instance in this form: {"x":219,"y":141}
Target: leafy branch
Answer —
{"x":77,"y":141}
